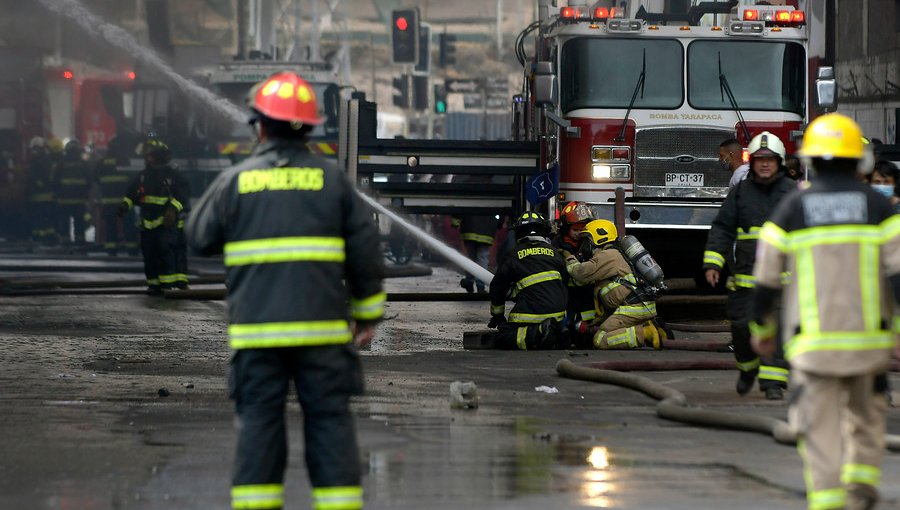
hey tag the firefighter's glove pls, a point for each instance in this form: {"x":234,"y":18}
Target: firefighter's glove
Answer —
{"x":170,"y":217}
{"x":496,"y":320}
{"x":121,"y":210}
{"x":585,"y":250}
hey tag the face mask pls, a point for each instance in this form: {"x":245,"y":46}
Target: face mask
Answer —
{"x":885,"y":189}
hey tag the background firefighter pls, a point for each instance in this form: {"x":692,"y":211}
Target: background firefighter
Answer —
{"x":72,"y":187}
{"x":298,"y":245}
{"x":732,"y":240}
{"x":155,"y":189}
{"x":625,"y":315}
{"x":113,"y":232}
{"x":534,"y":275}
{"x":39,"y":193}
{"x":840,"y":239}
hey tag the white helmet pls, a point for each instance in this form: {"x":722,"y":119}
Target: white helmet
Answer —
{"x":37,"y":142}
{"x":766,"y":144}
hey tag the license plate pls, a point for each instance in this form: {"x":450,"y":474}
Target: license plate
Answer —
{"x":684,"y":180}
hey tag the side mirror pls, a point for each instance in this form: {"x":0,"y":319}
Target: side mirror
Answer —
{"x":545,"y":89}
{"x":826,"y":89}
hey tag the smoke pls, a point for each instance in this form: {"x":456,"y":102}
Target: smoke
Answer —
{"x":115,"y":35}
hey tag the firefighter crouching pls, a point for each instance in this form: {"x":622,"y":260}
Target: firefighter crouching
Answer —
{"x":534,"y":275}
{"x":625,"y":314}
{"x":580,"y":311}
{"x":155,"y":189}
{"x":735,"y":230}
{"x":298,"y":245}
{"x":840,"y":239}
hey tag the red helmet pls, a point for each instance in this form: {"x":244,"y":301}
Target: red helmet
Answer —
{"x":576,"y":212}
{"x":287,"y":97}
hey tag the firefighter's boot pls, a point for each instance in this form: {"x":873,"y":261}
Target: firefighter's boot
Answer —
{"x":467,"y":284}
{"x":774,"y":393}
{"x":652,"y":336}
{"x":665,"y":332}
{"x":745,"y":382}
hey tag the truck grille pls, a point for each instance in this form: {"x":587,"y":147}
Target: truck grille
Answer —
{"x":659,"y":151}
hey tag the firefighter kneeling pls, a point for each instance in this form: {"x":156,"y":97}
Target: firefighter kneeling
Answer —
{"x":534,"y":275}
{"x":626,"y":311}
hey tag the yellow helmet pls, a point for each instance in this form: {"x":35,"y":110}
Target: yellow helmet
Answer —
{"x":833,"y":136}
{"x":601,"y":232}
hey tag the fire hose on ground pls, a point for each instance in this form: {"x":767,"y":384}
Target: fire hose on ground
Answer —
{"x":673,"y":404}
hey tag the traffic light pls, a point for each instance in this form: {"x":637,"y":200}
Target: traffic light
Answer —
{"x":401,"y":94}
{"x":405,"y":35}
{"x":440,"y":99}
{"x":420,"y":92}
{"x":423,"y":64}
{"x":447,"y":43}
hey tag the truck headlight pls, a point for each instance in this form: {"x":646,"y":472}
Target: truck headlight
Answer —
{"x":610,"y":172}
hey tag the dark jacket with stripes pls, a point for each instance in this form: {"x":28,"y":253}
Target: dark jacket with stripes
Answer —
{"x":534,"y":275}
{"x":156,"y":190}
{"x":732,"y":238}
{"x":71,"y":181}
{"x":297,"y":240}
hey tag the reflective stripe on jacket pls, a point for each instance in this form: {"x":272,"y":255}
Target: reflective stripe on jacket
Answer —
{"x":534,"y":275}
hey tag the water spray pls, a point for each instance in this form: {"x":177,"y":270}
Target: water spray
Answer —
{"x":457,"y":258}
{"x":97,"y":27}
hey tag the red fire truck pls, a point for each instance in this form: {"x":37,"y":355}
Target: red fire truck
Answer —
{"x":630,"y":100}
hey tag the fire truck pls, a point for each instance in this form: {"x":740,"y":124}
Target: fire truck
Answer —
{"x":636,"y":103}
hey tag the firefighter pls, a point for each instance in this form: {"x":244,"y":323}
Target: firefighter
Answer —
{"x":840,"y":239}
{"x":534,"y":275}
{"x":580,"y":311}
{"x":298,"y":246}
{"x":39,"y":186}
{"x":732,"y":241}
{"x":71,"y":187}
{"x":111,"y":183}
{"x":624,"y":313}
{"x":156,"y":190}
{"x":179,"y":241}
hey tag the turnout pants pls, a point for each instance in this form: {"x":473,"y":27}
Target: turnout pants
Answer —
{"x":771,"y":371}
{"x":480,"y":253}
{"x":324,"y":378}
{"x":841,"y":425}
{"x":624,"y":329}
{"x":117,"y":233}
{"x":159,"y":258}
{"x":525,"y":336}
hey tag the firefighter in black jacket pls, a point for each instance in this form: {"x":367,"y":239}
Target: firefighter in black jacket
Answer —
{"x":298,"y":245}
{"x":71,"y":186}
{"x":39,"y":188}
{"x":112,"y":183}
{"x":735,"y":231}
{"x":534,"y":276}
{"x":155,"y":189}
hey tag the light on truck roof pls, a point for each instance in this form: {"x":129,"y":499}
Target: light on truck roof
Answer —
{"x":751,"y":15}
{"x":68,"y":75}
{"x":569,"y":13}
{"x":783,"y":16}
{"x":798,"y":17}
{"x":601,"y":13}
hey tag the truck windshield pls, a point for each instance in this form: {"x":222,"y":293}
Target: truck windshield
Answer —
{"x":762,"y":75}
{"x":602,"y":73}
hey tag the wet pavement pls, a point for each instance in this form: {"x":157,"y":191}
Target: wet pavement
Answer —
{"x":83,"y":425}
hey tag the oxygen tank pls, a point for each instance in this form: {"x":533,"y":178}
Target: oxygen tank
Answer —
{"x":642,"y":261}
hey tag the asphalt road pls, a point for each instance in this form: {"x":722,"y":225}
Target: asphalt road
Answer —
{"x":83,"y":425}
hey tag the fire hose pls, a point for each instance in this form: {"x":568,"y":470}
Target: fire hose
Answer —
{"x":673,"y":405}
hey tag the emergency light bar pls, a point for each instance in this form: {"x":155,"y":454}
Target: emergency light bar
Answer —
{"x":570,"y":14}
{"x":778,"y":18}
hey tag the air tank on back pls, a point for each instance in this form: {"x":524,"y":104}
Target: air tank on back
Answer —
{"x":642,"y":261}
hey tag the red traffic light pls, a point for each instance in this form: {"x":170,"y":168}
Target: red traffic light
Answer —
{"x":401,"y":23}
